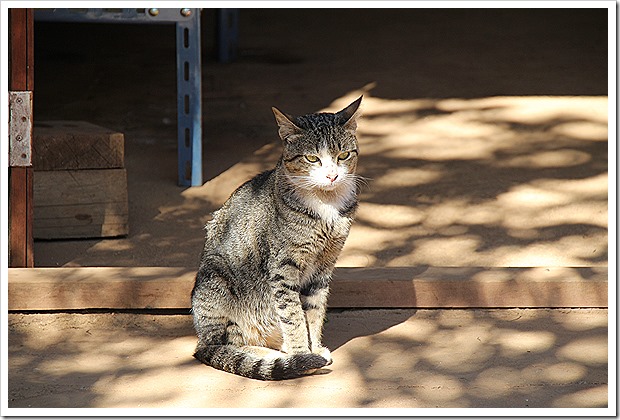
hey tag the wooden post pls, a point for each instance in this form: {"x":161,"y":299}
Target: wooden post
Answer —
{"x":21,"y":78}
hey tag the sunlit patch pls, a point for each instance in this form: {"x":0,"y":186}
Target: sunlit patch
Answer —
{"x":355,"y":258}
{"x":113,"y":245}
{"x":590,"y":350}
{"x":405,"y":177}
{"x":358,"y":240}
{"x":392,"y":216}
{"x":446,"y":213}
{"x":590,"y":319}
{"x":548,"y":159}
{"x":597,"y":396}
{"x":566,"y":372}
{"x":443,"y":250}
{"x":569,"y":250}
{"x":481,"y":214}
{"x":495,"y":382}
{"x":514,"y":342}
{"x":528,"y":196}
{"x":583,"y":130}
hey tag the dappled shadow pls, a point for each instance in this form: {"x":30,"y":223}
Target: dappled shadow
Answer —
{"x":66,"y":360}
{"x":468,"y":188}
{"x":396,"y":358}
{"x":476,"y":358}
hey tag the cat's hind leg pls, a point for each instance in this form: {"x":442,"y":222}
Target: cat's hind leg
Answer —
{"x":222,"y":345}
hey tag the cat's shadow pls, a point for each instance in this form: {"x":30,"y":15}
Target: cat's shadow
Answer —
{"x":343,"y":326}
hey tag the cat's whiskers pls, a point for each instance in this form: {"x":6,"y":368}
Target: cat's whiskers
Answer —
{"x":347,"y":182}
{"x":303,"y":181}
{"x":360,"y":181}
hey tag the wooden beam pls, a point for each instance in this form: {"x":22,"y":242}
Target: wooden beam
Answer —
{"x":21,"y":49}
{"x":400,"y":287}
{"x":21,"y":78}
{"x":21,"y":216}
{"x":470,"y":287}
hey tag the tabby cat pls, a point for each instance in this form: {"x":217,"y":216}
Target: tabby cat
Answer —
{"x":260,"y":295}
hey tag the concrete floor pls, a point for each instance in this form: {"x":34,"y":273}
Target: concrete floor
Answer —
{"x":485,"y":141}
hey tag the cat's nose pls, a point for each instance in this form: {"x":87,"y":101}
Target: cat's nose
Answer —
{"x":331,"y":177}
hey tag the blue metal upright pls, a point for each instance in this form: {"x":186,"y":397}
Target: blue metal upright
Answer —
{"x":189,"y":91}
{"x":189,"y":101}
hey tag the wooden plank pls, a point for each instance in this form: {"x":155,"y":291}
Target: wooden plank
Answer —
{"x":60,"y":145}
{"x":411,"y":287}
{"x":80,"y":204}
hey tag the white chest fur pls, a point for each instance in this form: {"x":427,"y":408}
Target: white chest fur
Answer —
{"x":328,"y":205}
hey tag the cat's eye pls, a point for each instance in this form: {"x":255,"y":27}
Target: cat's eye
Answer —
{"x":312,"y":158}
{"x":344,"y":155}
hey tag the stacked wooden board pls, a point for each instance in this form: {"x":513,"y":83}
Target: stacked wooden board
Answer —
{"x":80,"y":183}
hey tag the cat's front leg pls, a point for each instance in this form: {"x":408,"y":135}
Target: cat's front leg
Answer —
{"x":290,"y":315}
{"x":314,"y":303}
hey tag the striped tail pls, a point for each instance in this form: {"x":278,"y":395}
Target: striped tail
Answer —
{"x":233,"y":359}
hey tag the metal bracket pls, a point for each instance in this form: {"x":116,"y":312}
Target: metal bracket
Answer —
{"x":20,"y":128}
{"x":116,"y":15}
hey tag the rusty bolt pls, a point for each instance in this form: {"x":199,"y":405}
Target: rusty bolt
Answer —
{"x":186,"y":12}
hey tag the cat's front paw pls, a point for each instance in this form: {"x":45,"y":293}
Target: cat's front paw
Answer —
{"x":325,"y":353}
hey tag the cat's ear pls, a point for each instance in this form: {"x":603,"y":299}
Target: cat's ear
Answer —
{"x":348,"y":116}
{"x":288,"y":131}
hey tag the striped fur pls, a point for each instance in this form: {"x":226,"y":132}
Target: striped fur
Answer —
{"x":261,"y":291}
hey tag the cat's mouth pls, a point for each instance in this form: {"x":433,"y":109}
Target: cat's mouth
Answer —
{"x":329,"y":186}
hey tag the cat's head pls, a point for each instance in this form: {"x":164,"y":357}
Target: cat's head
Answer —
{"x":320,"y":150}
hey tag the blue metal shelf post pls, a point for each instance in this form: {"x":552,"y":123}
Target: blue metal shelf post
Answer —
{"x":189,"y":101}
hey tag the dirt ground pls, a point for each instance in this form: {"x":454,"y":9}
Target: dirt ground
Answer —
{"x":449,"y":359}
{"x":484,"y":141}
